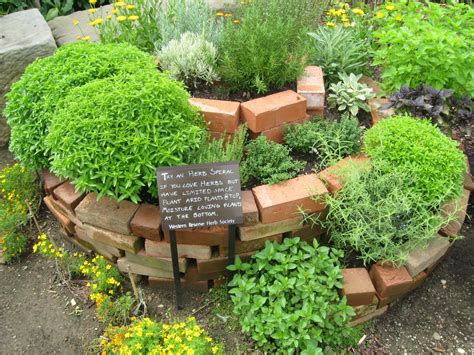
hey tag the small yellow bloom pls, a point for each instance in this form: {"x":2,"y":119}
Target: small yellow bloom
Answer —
{"x":228,"y":15}
{"x":131,"y":7}
{"x":358,"y":11}
{"x":236,"y":21}
{"x":133,"y":17}
{"x":92,"y":2}
{"x":398,"y":17}
{"x":114,"y":10}
{"x":92,"y":10}
{"x":346,"y":23}
{"x":109,"y":17}
{"x":214,"y":349}
{"x":86,"y":38}
{"x":121,"y":18}
{"x":390,"y":7}
{"x":219,"y":14}
{"x":108,"y":267}
{"x":379,"y":15}
{"x":119,"y":3}
{"x":330,"y":24}
{"x":75,"y":22}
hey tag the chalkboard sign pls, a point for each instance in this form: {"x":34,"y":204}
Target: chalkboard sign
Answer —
{"x":200,"y":195}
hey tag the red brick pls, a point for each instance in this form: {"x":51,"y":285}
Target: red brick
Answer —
{"x":457,"y":209}
{"x":376,"y":112}
{"x":218,"y":264}
{"x":221,"y":116}
{"x":421,"y":258}
{"x":277,"y":133}
{"x":308,"y":232}
{"x":128,"y":243}
{"x":390,"y":281}
{"x":363,"y":310}
{"x":125,"y":266}
{"x":311,"y":87}
{"x":357,"y":287}
{"x":68,"y":196}
{"x":333,"y":176}
{"x":211,"y":236}
{"x":146,"y":222}
{"x":369,"y":316}
{"x":192,"y":274}
{"x":163,"y":249}
{"x":251,"y":245}
{"x":64,"y":220}
{"x":58,"y":205}
{"x":385,"y":301}
{"x":84,"y":247}
{"x":273,"y":110}
{"x":249,"y":208}
{"x":418,"y":280}
{"x":107,"y":213}
{"x":261,"y":230}
{"x":156,"y":262}
{"x":103,"y":249}
{"x":283,"y":200}
{"x":168,"y":284}
{"x":50,"y":181}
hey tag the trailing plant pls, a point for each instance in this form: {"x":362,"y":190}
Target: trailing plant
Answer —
{"x":264,"y":50}
{"x":105,"y":278}
{"x":268,"y":162}
{"x":349,"y":94}
{"x":33,"y":100}
{"x":190,"y":59}
{"x":110,"y":135}
{"x":287,"y":298}
{"x":417,"y":41}
{"x":337,"y":50}
{"x":330,"y":140}
{"x":378,"y":216}
{"x":420,"y":148}
{"x":114,"y":312}
{"x":12,"y":246}
{"x":222,"y":149}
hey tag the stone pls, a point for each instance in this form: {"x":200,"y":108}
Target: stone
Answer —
{"x":376,"y":111}
{"x":128,"y":243}
{"x":274,"y":110}
{"x":457,"y":209}
{"x":333,"y":176}
{"x":49,"y":181}
{"x":249,"y":208}
{"x":357,"y":287}
{"x":220,"y":115}
{"x":390,"y":281}
{"x":146,"y":222}
{"x":211,"y":236}
{"x":311,"y":87}
{"x":369,"y":316}
{"x":103,"y":249}
{"x":163,"y":249}
{"x":261,"y":230}
{"x":62,"y":219}
{"x":218,"y":264}
{"x":468,"y":182}
{"x":126,"y":266}
{"x":142,"y":258}
{"x":192,"y":274}
{"x":422,"y":258}
{"x":242,"y":247}
{"x":68,"y":196}
{"x":106,"y":213}
{"x":276,"y":134}
{"x":168,"y":284}
{"x":285,"y":200}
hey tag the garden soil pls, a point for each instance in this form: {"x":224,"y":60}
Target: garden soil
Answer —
{"x":40,"y":314}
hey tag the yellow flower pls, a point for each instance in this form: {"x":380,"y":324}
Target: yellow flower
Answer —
{"x":75,"y":22}
{"x":109,"y":17}
{"x":390,"y":7}
{"x":358,"y":11}
{"x":330,"y":24}
{"x":236,"y":21}
{"x":92,"y":2}
{"x":91,"y":11}
{"x":346,"y":23}
{"x":114,"y":10}
{"x":121,"y":18}
{"x":131,"y":7}
{"x":86,"y":38}
{"x":214,"y":349}
{"x":228,"y":15}
{"x":379,"y":15}
{"x":219,"y":14}
{"x":119,"y":3}
{"x":133,"y":17}
{"x":108,"y":267}
{"x":332,"y":12}
{"x":398,"y":17}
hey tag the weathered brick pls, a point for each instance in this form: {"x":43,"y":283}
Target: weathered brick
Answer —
{"x":310,"y":231}
{"x":106,"y":213}
{"x":276,"y":134}
{"x":249,"y":208}
{"x":387,"y":300}
{"x":457,"y":209}
{"x":64,"y":220}
{"x":163,"y":249}
{"x":211,"y":236}
{"x":103,"y":249}
{"x":219,"y":263}
{"x":334,"y":176}
{"x":192,"y":274}
{"x":390,"y":281}
{"x":142,"y":258}
{"x":422,"y":258}
{"x":418,"y":280}
{"x":128,"y":243}
{"x":125,"y":266}
{"x":433,"y":266}
{"x":378,"y":312}
{"x":357,"y":287}
{"x":50,"y":181}
{"x":221,"y":116}
{"x":261,"y":230}
{"x":365,"y":309}
{"x":242,"y":247}
{"x":168,"y":284}
{"x":58,"y":205}
{"x":311,"y":87}
{"x":283,"y":200}
{"x":146,"y":222}
{"x":68,"y":196}
{"x":376,"y":111}
{"x":468,"y":182}
{"x":273,"y":110}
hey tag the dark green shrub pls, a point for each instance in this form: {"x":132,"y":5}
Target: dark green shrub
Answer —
{"x":33,"y":100}
{"x":418,"y":147}
{"x":111,"y":134}
{"x":287,"y":298}
{"x":268,"y":162}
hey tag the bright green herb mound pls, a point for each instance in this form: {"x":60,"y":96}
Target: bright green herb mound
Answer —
{"x":111,"y":134}
{"x":420,"y":148}
{"x":33,"y":100}
{"x":288,"y":298}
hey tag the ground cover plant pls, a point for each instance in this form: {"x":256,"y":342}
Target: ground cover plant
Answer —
{"x":33,"y":100}
{"x":287,"y":298}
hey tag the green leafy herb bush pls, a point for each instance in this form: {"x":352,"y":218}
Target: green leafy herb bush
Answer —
{"x":33,"y":100}
{"x":111,"y":134}
{"x":416,"y":45}
{"x":288,"y":298}
{"x":265,"y":51}
{"x":338,"y":50}
{"x":222,"y":149}
{"x":419,"y":147}
{"x":331,"y":140}
{"x":349,"y":94}
{"x":268,"y":162}
{"x":378,"y":216}
{"x":190,"y":59}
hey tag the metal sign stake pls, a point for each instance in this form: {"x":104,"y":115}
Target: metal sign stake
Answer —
{"x":176,"y":275}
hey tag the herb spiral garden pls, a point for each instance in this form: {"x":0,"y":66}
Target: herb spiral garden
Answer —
{"x":353,"y":142}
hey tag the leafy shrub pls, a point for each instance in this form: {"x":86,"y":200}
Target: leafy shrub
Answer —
{"x":265,"y":51}
{"x":288,"y":298}
{"x":349,"y":94}
{"x":13,"y":245}
{"x":268,"y":162}
{"x":331,"y":140}
{"x":222,"y":149}
{"x":191,"y":59}
{"x":337,"y":50}
{"x":145,"y":336}
{"x":34,"y":99}
{"x":378,"y":217}
{"x":418,"y":147}
{"x":111,"y":134}
{"x":420,"y":40}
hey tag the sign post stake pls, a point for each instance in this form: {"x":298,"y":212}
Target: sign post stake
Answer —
{"x":231,"y":260}
{"x":176,"y":275}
